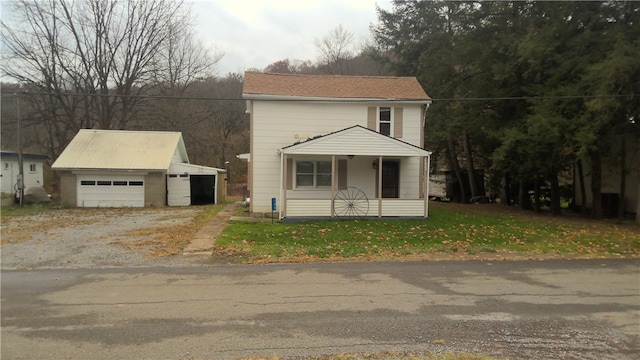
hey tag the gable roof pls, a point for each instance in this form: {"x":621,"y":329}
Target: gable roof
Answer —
{"x":355,"y":140}
{"x":260,"y":85}
{"x":121,"y":150}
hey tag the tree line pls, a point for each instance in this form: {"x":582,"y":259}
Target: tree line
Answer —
{"x":541,"y":87}
{"x":526,"y":91}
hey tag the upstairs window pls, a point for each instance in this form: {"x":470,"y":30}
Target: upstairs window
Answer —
{"x":32,"y":168}
{"x":384,"y":121}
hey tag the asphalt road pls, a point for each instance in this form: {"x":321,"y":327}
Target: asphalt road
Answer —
{"x":576,"y":309}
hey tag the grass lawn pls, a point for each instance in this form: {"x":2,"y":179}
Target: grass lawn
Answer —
{"x":451,"y":229}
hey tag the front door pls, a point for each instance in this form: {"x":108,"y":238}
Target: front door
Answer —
{"x":390,"y":179}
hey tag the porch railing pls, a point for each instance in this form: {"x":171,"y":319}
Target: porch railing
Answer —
{"x":389,"y":207}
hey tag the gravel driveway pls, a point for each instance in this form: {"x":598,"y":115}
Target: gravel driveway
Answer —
{"x":88,"y":238}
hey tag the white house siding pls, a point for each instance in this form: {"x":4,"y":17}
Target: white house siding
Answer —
{"x":412,"y":124}
{"x":308,"y":208}
{"x":410,"y":178}
{"x":280,"y":124}
{"x":362,"y":175}
{"x":9,"y":175}
{"x":390,"y":207}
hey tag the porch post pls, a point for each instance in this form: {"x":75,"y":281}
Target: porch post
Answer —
{"x":333,"y":183}
{"x":380,"y":186}
{"x":283,"y":186}
{"x":426,"y":190}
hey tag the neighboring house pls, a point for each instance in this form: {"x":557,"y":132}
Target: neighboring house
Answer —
{"x":438,"y":186}
{"x":32,"y":170}
{"x":337,"y":146}
{"x":113,"y":168}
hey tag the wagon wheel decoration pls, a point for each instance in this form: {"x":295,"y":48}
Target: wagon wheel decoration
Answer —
{"x":350,"y":203}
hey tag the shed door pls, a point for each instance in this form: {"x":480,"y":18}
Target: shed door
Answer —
{"x":203,"y":189}
{"x":178,"y":190}
{"x":110,"y":191}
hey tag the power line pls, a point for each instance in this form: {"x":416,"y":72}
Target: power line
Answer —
{"x":550,"y":97}
{"x":205,"y":98}
{"x":159,"y":97}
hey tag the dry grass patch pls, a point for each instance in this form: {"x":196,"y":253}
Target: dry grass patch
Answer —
{"x":390,"y":355}
{"x":172,"y":239}
{"x":20,"y":225}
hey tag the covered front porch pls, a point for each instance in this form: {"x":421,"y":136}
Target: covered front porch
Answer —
{"x":353,"y":173}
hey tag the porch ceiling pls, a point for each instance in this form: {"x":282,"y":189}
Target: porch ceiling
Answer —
{"x":355,"y":140}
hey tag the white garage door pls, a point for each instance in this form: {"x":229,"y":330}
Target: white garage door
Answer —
{"x":110,"y":191}
{"x":179,"y":190}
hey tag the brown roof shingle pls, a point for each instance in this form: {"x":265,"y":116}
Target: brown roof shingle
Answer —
{"x":333,"y":86}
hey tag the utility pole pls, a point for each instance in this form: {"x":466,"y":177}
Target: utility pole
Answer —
{"x":20,"y":180}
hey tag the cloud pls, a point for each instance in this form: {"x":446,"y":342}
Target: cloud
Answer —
{"x":256,"y":33}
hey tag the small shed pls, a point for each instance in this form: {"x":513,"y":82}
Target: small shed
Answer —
{"x":32,"y":170}
{"x":189,"y":184}
{"x":117,"y":168}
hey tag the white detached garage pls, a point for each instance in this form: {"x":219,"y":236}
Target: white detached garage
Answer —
{"x":114,"y":168}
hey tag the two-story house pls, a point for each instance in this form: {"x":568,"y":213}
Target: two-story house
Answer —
{"x":337,"y":146}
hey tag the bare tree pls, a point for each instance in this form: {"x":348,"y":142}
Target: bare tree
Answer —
{"x":287,"y":66}
{"x":336,"y":49}
{"x":220,"y":127}
{"x":110,"y":52}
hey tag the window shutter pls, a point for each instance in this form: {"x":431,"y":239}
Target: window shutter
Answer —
{"x":342,"y":174}
{"x":371,"y":117}
{"x":289,"y":174}
{"x":397,"y":123}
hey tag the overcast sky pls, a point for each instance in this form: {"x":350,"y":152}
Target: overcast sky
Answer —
{"x":256,"y":33}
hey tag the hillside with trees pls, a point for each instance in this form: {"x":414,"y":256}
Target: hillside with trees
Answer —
{"x":529,"y":97}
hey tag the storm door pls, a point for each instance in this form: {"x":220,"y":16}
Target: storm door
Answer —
{"x":390,"y":179}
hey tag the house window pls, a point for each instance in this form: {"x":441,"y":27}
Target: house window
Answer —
{"x":384,"y":121}
{"x":6,"y":165}
{"x":32,"y":168}
{"x":304,"y":173}
{"x":313,"y":173}
{"x":323,"y":173}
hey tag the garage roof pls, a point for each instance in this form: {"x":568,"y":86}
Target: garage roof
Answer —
{"x":122,"y":150}
{"x":195,"y":169}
